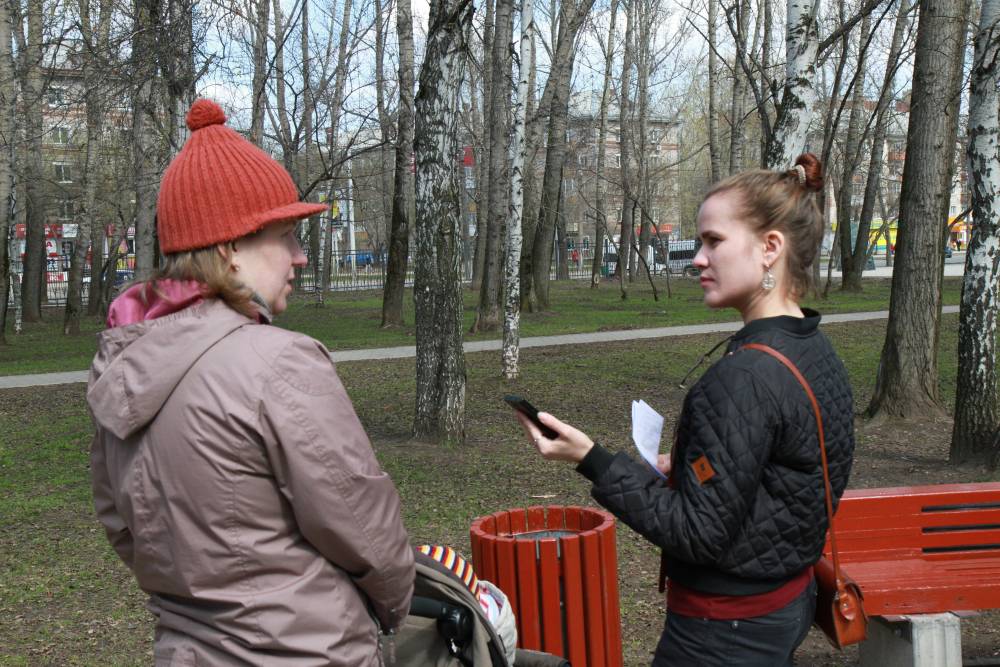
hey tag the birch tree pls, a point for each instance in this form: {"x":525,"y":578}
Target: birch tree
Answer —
{"x":799,"y":92}
{"x":907,"y":381}
{"x":8,"y":98}
{"x":714,"y":149}
{"x":512,"y":265}
{"x":974,"y":436}
{"x":437,"y":294}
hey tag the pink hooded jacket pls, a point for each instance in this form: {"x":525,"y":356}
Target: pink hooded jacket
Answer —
{"x":234,"y":478}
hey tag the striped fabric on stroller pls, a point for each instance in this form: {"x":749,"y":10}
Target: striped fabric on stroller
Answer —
{"x":448,"y":627}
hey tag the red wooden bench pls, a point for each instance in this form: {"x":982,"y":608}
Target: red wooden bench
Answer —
{"x":922,"y":550}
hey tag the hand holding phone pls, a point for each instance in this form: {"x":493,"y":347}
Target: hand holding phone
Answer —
{"x":529,"y":411}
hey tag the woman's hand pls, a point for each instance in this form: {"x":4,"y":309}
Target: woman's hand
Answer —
{"x":663,"y":463}
{"x":571,"y":445}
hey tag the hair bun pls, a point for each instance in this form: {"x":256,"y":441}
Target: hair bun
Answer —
{"x":814,"y":171}
{"x":204,"y":113}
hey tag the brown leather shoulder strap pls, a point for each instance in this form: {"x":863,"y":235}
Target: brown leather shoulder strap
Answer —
{"x":767,"y":349}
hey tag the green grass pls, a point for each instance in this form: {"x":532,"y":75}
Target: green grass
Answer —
{"x":350,"y":320}
{"x":65,"y":599}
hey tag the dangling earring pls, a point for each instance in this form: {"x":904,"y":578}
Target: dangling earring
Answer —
{"x":767,"y":284}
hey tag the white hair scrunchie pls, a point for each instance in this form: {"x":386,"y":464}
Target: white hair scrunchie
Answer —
{"x":801,"y":172}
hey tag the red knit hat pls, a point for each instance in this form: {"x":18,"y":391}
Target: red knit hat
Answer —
{"x":220,"y":187}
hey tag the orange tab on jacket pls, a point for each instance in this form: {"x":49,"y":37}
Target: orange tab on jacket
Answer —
{"x":702,"y":469}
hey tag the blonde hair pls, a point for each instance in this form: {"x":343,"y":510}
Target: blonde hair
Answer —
{"x":213,"y":270}
{"x":786,"y":201}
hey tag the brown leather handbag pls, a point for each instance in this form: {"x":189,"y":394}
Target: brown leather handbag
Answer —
{"x":840,"y":611}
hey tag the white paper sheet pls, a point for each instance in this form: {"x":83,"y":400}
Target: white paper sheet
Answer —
{"x":647,"y":428}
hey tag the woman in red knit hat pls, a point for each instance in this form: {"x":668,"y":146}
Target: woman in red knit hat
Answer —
{"x":229,"y":469}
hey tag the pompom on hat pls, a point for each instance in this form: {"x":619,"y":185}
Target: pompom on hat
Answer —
{"x":220,"y":187}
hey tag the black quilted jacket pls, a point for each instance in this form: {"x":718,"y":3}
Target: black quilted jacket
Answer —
{"x":744,"y":511}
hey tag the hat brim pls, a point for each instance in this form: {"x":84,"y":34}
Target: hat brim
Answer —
{"x":293,"y":211}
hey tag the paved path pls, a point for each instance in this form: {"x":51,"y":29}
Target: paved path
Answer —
{"x":14,"y":381}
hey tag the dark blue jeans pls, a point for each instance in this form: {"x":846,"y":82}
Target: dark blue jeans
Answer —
{"x":762,"y":641}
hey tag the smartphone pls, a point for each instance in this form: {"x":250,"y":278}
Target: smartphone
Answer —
{"x":529,"y":411}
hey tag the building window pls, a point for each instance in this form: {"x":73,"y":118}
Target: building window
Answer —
{"x":60,"y":135}
{"x":66,"y":209}
{"x":56,"y":96}
{"x":62,"y":173}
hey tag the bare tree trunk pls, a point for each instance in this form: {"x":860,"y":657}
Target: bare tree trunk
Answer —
{"x":528,"y":222}
{"x":260,"y":70}
{"x":440,"y":363}
{"x":336,"y":112}
{"x":145,"y":171}
{"x":714,"y":149}
{"x":873,"y":184}
{"x":600,"y":217}
{"x":488,"y":312}
{"x":8,"y":97}
{"x":737,"y":107}
{"x":181,"y":74}
{"x":308,"y":134}
{"x":907,"y":382}
{"x":799,"y":93}
{"x":647,"y":10}
{"x":482,"y":158}
{"x":399,"y":237}
{"x":850,"y":272}
{"x":284,"y":129}
{"x":974,"y":437}
{"x":512,"y":267}
{"x":386,"y":130}
{"x":31,"y":54}
{"x":555,"y":156}
{"x":626,"y":142}
{"x":97,"y":44}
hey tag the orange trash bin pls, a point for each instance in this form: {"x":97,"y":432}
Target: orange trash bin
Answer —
{"x":559,"y":569}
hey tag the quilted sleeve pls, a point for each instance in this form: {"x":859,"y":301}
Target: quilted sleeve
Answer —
{"x":726,"y":434}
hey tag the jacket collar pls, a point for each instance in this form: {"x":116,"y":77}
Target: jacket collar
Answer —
{"x":797,"y":326}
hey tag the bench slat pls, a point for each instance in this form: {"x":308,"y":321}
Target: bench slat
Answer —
{"x":920,"y":587}
{"x":922,"y":549}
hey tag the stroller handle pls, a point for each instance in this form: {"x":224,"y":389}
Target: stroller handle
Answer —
{"x":454,"y":622}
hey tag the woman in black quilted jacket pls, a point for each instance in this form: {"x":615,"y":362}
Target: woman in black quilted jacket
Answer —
{"x":741,"y":518}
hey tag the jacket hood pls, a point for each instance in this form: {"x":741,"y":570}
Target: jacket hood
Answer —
{"x":138,"y":365}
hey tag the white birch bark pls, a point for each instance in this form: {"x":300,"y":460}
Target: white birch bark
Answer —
{"x":974,"y":438}
{"x":512,"y":265}
{"x":437,"y":294}
{"x":799,"y":94}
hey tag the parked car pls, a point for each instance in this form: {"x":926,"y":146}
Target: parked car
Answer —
{"x":680,"y":260}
